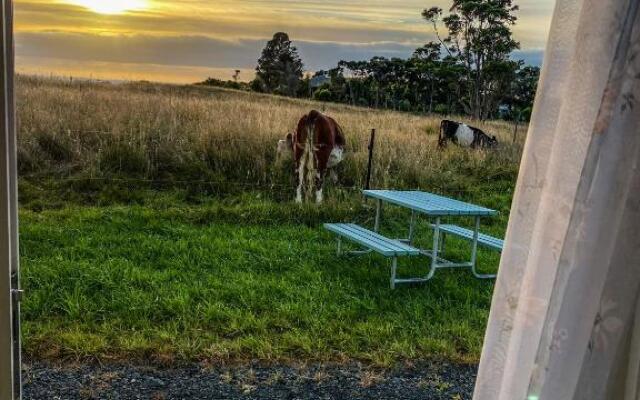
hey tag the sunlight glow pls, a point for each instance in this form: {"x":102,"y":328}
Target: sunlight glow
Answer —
{"x":111,"y":6}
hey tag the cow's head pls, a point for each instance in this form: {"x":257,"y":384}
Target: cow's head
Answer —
{"x":285,"y":146}
{"x":492,"y":141}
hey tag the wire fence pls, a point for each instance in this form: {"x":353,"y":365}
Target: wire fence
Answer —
{"x":271,"y":179}
{"x":246,"y":185}
{"x":137,"y":135}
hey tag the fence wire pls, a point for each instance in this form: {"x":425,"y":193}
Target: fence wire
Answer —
{"x":42,"y":179}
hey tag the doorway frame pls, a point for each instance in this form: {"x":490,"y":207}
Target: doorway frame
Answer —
{"x":10,"y":292}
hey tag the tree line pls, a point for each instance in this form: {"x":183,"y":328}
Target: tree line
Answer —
{"x":467,"y":71}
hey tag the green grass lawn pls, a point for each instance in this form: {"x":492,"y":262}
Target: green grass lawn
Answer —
{"x":238,"y":279}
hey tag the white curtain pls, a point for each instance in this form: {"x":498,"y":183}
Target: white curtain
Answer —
{"x":565,"y":320}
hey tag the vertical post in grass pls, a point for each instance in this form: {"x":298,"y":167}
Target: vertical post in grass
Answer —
{"x":515,"y":130}
{"x":10,"y":363}
{"x":370,"y":164}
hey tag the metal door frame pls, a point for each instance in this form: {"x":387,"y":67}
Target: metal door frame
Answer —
{"x":10,"y":293}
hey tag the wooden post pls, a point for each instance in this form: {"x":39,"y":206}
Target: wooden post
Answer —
{"x":370,"y":164}
{"x":515,"y":130}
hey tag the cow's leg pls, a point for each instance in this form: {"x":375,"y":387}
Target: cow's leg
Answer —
{"x":311,"y":173}
{"x":300,"y":175}
{"x":322,"y":163}
{"x":299,"y":193}
{"x":319,"y":183}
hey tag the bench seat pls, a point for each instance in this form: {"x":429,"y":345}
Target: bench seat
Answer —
{"x":372,"y":240}
{"x":483,"y":239}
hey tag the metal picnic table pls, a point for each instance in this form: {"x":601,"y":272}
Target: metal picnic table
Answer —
{"x":436,"y":207}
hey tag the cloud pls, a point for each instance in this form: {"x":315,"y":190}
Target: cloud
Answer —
{"x":327,"y":55}
{"x":194,"y":51}
{"x":204,"y":35}
{"x":353,"y":21}
{"x":182,"y":50}
{"x":308,"y":21}
{"x":123,"y":71}
{"x":530,"y":57}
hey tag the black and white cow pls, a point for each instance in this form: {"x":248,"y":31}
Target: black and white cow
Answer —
{"x":464,"y":135}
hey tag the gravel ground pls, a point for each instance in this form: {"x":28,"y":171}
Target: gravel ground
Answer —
{"x":354,"y":381}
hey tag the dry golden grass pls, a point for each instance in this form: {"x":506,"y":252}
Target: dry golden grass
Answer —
{"x":182,"y":134}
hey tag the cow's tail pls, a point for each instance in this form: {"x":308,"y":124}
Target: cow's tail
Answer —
{"x":310,"y":158}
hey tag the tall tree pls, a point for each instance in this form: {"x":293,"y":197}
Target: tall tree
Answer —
{"x":479,"y":36}
{"x":279,"y":68}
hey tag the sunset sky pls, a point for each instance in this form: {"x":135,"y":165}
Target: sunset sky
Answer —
{"x":189,"y":40}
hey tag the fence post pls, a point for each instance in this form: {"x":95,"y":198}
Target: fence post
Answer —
{"x":370,"y":164}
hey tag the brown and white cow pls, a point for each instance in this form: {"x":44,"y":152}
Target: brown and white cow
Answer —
{"x":317,"y":145}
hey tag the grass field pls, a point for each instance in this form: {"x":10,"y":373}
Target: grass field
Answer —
{"x":156,"y":224}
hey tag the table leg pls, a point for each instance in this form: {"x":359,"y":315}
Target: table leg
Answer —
{"x":376,"y":226}
{"x":474,"y":253}
{"x":394,"y":269}
{"x":474,"y":243}
{"x":434,"y":251}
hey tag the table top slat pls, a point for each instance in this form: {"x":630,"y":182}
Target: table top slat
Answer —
{"x":429,"y":203}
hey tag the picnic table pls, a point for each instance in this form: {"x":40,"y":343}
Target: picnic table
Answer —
{"x":434,"y":207}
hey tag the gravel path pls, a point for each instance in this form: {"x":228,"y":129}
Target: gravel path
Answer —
{"x":119,"y":381}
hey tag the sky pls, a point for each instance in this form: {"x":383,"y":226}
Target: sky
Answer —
{"x":187,"y":41}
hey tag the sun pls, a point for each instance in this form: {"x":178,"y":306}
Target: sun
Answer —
{"x":111,"y":6}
